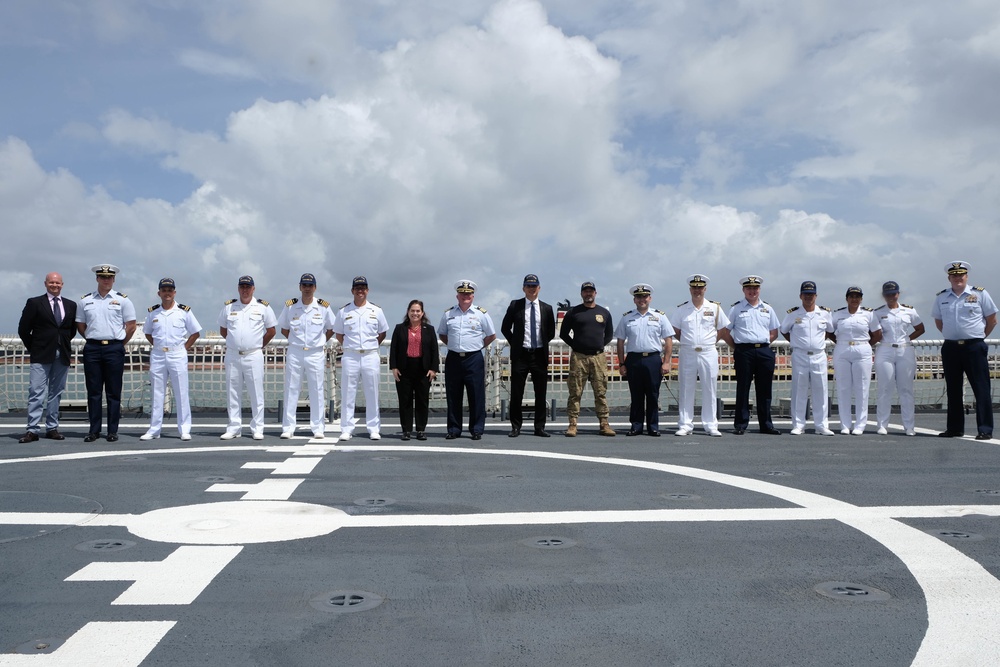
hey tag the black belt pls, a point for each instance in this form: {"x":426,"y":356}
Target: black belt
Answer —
{"x":965,"y":340}
{"x":466,"y":354}
{"x":644,"y":354}
{"x":98,"y":341}
{"x":753,"y":345}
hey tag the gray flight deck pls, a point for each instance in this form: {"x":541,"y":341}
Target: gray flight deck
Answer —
{"x":681,"y":551}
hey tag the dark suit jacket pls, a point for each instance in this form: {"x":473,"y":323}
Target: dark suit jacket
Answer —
{"x":40,"y":332}
{"x":512,"y":327}
{"x":430,"y":356}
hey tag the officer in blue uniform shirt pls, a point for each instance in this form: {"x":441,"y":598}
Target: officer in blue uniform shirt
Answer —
{"x":753,"y":326}
{"x":645,"y":343}
{"x":466,"y":330}
{"x":965,"y":316}
{"x":106,"y":318}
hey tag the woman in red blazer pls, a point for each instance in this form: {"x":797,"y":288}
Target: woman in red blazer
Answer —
{"x":414,"y":360}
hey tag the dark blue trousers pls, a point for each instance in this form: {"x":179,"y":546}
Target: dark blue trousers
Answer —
{"x":753,"y":364}
{"x":466,"y":374}
{"x":643,"y":375}
{"x":968,"y":357}
{"x":103,"y":367}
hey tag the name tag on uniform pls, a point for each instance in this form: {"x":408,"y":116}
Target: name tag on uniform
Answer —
{"x":708,"y":313}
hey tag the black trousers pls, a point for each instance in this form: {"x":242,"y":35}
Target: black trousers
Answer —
{"x":103,"y":367}
{"x":968,"y":357}
{"x":467,"y":374}
{"x":414,"y":392}
{"x":753,"y":364}
{"x":535,"y":362}
{"x":644,"y":376}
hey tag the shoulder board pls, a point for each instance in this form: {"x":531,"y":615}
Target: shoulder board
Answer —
{"x":448,"y":310}
{"x":125,"y":296}
{"x":152,"y":308}
{"x":659,"y":312}
{"x":881,"y":307}
{"x":840,"y":309}
{"x":375,"y":305}
{"x":86,"y":295}
{"x":230,"y":301}
{"x":322,"y":303}
{"x":183,"y":307}
{"x":683,"y":304}
{"x":975,"y":287}
{"x":262,"y":302}
{"x":904,"y":305}
{"x":291,"y":302}
{"x":824,"y":308}
{"x":480,"y":309}
{"x":349,"y":303}
{"x":627,"y":313}
{"x":792,"y":309}
{"x":735,"y":303}
{"x":866,"y":308}
{"x":716,"y":303}
{"x":942,"y":292}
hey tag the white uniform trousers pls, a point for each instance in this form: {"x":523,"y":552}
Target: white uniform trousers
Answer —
{"x":172,"y":365}
{"x":312,"y":364}
{"x":895,"y":368}
{"x":809,"y":376}
{"x":246,"y":369}
{"x":365,"y":366}
{"x":692,"y":365}
{"x":852,"y":370}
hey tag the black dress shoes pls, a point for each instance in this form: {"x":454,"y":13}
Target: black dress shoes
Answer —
{"x":950,"y":434}
{"x":653,"y":432}
{"x":28,"y":437}
{"x":514,"y":432}
{"x":984,"y":436}
{"x":770,"y":431}
{"x":91,"y":437}
{"x":405,"y":436}
{"x":112,"y":437}
{"x":632,"y":432}
{"x":451,"y":436}
{"x":739,"y":431}
{"x":477,"y":436}
{"x":421,"y":436}
{"x":54,"y":435}
{"x":542,"y":433}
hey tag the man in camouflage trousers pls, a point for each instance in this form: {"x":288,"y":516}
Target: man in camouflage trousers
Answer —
{"x":587,"y":329}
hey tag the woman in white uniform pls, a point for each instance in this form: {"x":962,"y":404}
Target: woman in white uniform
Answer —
{"x":855,"y":330}
{"x":895,"y":358}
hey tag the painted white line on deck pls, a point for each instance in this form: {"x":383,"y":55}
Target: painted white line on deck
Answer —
{"x":266,"y":489}
{"x":291,"y":466}
{"x":118,"y":643}
{"x":177,"y":579}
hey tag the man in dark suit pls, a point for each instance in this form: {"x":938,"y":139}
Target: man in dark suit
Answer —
{"x":528,"y":326}
{"x":48,"y":324}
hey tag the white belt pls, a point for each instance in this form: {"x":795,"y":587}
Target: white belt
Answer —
{"x":854,"y":342}
{"x":243,"y":353}
{"x":174,"y":348}
{"x":900,"y":344}
{"x":708,"y":347}
{"x":361,"y":351}
{"x":305,"y":348}
{"x":799,"y":349}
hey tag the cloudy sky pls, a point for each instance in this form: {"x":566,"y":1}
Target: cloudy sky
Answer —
{"x":419,"y":142}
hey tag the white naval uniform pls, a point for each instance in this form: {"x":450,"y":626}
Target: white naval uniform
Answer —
{"x":245,"y":327}
{"x":168,"y":358}
{"x":896,"y":363}
{"x":852,"y":365}
{"x":307,"y":327}
{"x":360,"y":326}
{"x":697,"y":357}
{"x":807,"y":336}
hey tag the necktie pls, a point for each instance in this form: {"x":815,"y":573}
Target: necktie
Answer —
{"x":534,"y":336}
{"x":56,"y":310}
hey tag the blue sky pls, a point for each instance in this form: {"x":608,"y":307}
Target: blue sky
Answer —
{"x":419,"y":143}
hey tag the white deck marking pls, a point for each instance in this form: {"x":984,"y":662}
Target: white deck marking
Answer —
{"x":117,"y":643}
{"x":292,"y":466}
{"x":177,"y":579}
{"x":266,"y":489}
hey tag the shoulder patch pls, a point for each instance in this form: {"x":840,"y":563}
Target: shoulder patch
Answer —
{"x":480,"y":309}
{"x":683,"y":304}
{"x":291,"y":302}
{"x":152,"y":308}
{"x":183,"y":307}
{"x":792,"y":309}
{"x":942,"y":292}
{"x":230,"y":301}
{"x":840,"y":309}
{"x":262,"y":302}
{"x":976,"y":288}
{"x":322,"y":303}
